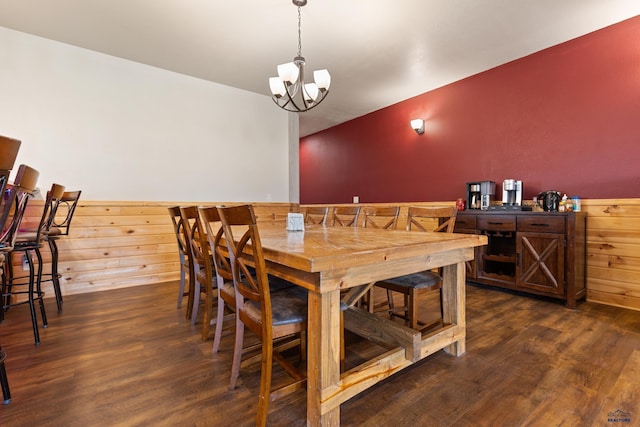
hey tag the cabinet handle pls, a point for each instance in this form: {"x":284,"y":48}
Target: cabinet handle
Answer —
{"x":539,"y":225}
{"x":495,"y":223}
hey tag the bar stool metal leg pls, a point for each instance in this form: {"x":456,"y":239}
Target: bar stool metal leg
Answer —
{"x":55,"y":277}
{"x":34,"y":290}
{"x":4,"y":381}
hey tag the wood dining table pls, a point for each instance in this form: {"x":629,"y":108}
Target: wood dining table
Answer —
{"x":330,"y":261}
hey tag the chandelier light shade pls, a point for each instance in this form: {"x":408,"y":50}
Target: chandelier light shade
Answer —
{"x":289,"y":90}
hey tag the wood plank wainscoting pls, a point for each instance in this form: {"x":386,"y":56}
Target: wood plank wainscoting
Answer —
{"x":613,"y":251}
{"x":116,"y":244}
{"x":120,"y":244}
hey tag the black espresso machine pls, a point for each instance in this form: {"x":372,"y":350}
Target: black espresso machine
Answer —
{"x":480,"y":194}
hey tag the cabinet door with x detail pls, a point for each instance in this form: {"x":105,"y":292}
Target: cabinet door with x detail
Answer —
{"x":541,"y":262}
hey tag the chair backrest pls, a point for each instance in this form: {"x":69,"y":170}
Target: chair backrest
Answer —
{"x":346,"y":216}
{"x":381,"y":217}
{"x":196,"y":237}
{"x":14,"y":203}
{"x":316,"y":215}
{"x":181,"y":234}
{"x":9,"y":148}
{"x":213,"y":226}
{"x":49,"y":210}
{"x":436,"y":218}
{"x":66,"y":209}
{"x":248,"y":265}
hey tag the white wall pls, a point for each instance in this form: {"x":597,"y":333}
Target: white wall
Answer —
{"x":120,"y":130}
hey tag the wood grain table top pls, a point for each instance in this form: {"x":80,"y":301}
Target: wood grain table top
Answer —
{"x":319,"y":248}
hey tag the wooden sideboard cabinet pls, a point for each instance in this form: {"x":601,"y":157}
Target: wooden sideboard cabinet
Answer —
{"x":541,"y":253}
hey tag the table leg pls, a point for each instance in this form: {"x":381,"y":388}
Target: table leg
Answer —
{"x":453,"y":302}
{"x":323,"y":363}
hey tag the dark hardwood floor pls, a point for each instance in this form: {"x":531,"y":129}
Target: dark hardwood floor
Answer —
{"x":129,"y":358}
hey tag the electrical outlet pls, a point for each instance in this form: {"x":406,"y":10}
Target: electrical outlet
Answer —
{"x":25,"y":263}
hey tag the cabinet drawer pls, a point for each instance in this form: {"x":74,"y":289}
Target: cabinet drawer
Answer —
{"x":465,"y":222}
{"x":541,"y":224}
{"x":497,"y":223}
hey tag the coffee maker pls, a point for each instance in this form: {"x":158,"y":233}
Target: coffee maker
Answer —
{"x":511,"y":192}
{"x":480,"y":194}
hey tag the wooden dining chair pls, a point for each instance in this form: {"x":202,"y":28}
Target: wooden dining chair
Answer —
{"x":270,"y":316}
{"x":223,"y":275}
{"x":384,"y":218}
{"x":202,"y":266}
{"x":226,"y":295}
{"x":411,"y":286}
{"x":345,"y":216}
{"x":316,"y":215}
{"x":226,"y":300}
{"x":187,"y":278}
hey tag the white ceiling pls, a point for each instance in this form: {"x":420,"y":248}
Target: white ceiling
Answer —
{"x":378,"y":52}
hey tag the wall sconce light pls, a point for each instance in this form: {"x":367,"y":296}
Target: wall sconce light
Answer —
{"x":418,"y":126}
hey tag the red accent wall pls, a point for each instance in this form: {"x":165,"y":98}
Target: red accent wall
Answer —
{"x":566,"y":118}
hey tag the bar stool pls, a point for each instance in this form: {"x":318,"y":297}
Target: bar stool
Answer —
{"x":56,"y":229}
{"x":9,"y":148}
{"x":14,"y":207}
{"x":29,"y":243}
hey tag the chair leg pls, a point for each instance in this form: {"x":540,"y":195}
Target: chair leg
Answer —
{"x":367,"y":301}
{"x":55,"y":278}
{"x":190,"y":294}
{"x":39,"y":293}
{"x":4,"y":381}
{"x":219,"y":321}
{"x":390,"y":301}
{"x":195,"y":302}
{"x":3,"y":287}
{"x":303,"y":346}
{"x":343,"y":352}
{"x":237,"y":353}
{"x":7,"y":281}
{"x":183,"y":277}
{"x":406,"y":307}
{"x":32,"y":308}
{"x":413,"y":308}
{"x":265,"y":383}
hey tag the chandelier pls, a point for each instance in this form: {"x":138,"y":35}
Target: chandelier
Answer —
{"x":289,"y":90}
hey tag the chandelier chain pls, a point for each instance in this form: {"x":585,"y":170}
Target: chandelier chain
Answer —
{"x":299,"y":32}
